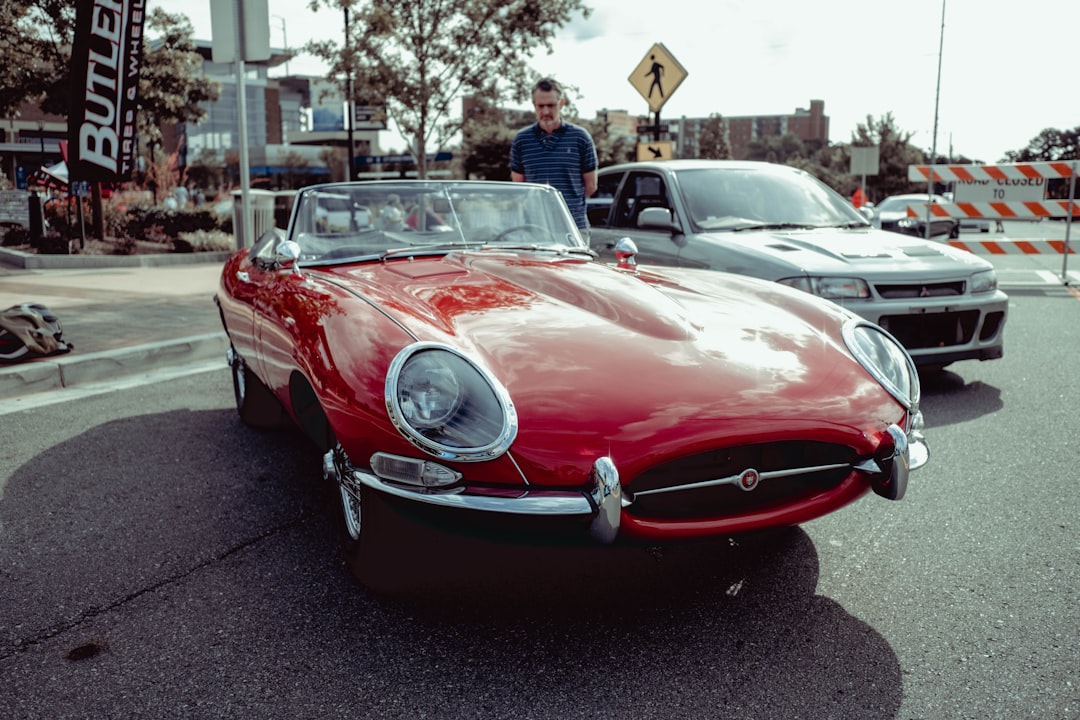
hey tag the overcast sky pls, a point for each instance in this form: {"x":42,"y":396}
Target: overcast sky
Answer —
{"x":1008,"y":71}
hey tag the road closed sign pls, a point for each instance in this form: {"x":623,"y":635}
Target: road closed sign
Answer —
{"x":1000,"y":190}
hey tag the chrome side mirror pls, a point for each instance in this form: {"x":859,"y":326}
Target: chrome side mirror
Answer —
{"x":288,"y":252}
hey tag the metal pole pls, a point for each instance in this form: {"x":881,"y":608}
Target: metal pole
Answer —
{"x":1068,"y":225}
{"x":244,"y":237}
{"x":350,"y":111}
{"x":285,"y":42}
{"x":937,"y":100}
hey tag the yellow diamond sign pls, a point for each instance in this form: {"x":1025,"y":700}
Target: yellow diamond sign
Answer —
{"x":657,"y":76}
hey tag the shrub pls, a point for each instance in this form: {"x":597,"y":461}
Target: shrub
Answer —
{"x":16,"y":236}
{"x":203,"y":241}
{"x":53,"y":244}
{"x":145,"y":223}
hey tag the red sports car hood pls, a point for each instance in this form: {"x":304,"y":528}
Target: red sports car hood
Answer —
{"x":597,"y":360}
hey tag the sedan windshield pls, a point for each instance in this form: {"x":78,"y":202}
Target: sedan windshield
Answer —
{"x":751,"y":198}
{"x":341,"y":222}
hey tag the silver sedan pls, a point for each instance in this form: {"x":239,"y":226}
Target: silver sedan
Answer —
{"x":779,"y":223}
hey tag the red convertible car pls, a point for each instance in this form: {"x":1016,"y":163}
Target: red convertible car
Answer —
{"x":456,"y":346}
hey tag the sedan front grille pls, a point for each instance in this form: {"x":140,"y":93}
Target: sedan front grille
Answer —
{"x":807,"y":468}
{"x":901,"y":291}
{"x":932,"y":330}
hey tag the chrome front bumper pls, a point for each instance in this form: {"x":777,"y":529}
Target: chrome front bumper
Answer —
{"x":605,"y":499}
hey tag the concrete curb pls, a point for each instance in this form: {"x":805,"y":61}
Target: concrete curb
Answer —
{"x":31,"y":261}
{"x":65,"y":371}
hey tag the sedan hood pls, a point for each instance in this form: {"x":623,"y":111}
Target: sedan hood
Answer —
{"x":598,"y":361}
{"x":865,"y":252}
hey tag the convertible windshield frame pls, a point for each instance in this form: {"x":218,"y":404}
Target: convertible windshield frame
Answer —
{"x":337,"y":223}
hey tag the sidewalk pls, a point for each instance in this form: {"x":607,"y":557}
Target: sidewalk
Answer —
{"x":120,"y":321}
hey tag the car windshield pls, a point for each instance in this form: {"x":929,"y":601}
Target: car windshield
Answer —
{"x":339,"y":222}
{"x":749,"y":198}
{"x":900,"y":203}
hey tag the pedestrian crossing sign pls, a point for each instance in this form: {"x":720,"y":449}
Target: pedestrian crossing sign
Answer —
{"x":657,"y":76}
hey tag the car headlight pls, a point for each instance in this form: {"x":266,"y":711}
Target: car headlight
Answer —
{"x":832,"y":288}
{"x":447,"y":405}
{"x":884,"y":358}
{"x":907,"y":223}
{"x":985,"y":281}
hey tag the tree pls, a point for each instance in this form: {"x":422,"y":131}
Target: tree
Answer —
{"x":712,"y":140}
{"x":776,"y":148}
{"x":35,"y":50}
{"x":1051,"y":145}
{"x":421,"y":56}
{"x":172,"y":86}
{"x":895,"y":155}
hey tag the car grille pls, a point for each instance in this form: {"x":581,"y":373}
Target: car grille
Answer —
{"x":724,"y":500}
{"x":932,"y":330}
{"x":915,"y":290}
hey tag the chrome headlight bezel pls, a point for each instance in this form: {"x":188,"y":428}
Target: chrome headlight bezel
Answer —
{"x":885,"y":359}
{"x":448,"y":405}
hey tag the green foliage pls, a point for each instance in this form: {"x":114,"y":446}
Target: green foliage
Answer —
{"x":16,"y":236}
{"x":712,"y":140}
{"x":35,"y":52}
{"x":35,"y":60}
{"x":487,"y":153}
{"x":1051,"y":145}
{"x":204,"y":241}
{"x":1048,"y":146}
{"x":157,"y":224}
{"x":422,"y":56}
{"x":171,"y":81}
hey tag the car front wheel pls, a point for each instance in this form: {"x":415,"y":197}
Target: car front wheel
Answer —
{"x":255,"y":404}
{"x":363,"y":527}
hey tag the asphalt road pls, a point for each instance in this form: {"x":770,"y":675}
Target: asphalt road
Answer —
{"x":158,"y":559}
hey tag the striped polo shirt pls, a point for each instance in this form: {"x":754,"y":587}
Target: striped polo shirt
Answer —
{"x":558,"y":160}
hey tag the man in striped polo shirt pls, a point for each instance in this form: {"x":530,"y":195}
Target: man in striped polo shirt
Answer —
{"x":555,"y":152}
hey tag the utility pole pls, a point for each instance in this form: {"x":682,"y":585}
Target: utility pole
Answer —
{"x":933,"y":147}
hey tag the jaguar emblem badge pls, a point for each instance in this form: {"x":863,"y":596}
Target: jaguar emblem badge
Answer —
{"x":749,"y":479}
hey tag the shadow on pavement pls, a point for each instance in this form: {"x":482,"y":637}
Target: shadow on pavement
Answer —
{"x":199,"y":575}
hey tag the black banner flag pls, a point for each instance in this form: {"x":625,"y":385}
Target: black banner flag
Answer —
{"x":105,"y":60}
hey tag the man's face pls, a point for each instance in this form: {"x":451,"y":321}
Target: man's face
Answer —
{"x":548,"y":105}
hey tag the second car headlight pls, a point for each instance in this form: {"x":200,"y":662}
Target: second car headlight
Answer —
{"x":447,"y":405}
{"x":831,"y":288}
{"x":984,"y":281}
{"x":884,"y":358}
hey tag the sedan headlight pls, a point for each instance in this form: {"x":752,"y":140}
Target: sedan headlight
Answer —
{"x":447,"y":405}
{"x":886,"y":359}
{"x":831,"y":288}
{"x":985,"y":281}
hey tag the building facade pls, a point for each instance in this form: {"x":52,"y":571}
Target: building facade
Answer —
{"x":808,"y":125}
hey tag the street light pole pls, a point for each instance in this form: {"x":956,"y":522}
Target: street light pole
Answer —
{"x":284,"y":41}
{"x":349,"y":110}
{"x":933,"y":147}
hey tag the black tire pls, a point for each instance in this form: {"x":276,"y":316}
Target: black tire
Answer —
{"x":255,"y":404}
{"x":365,"y":524}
